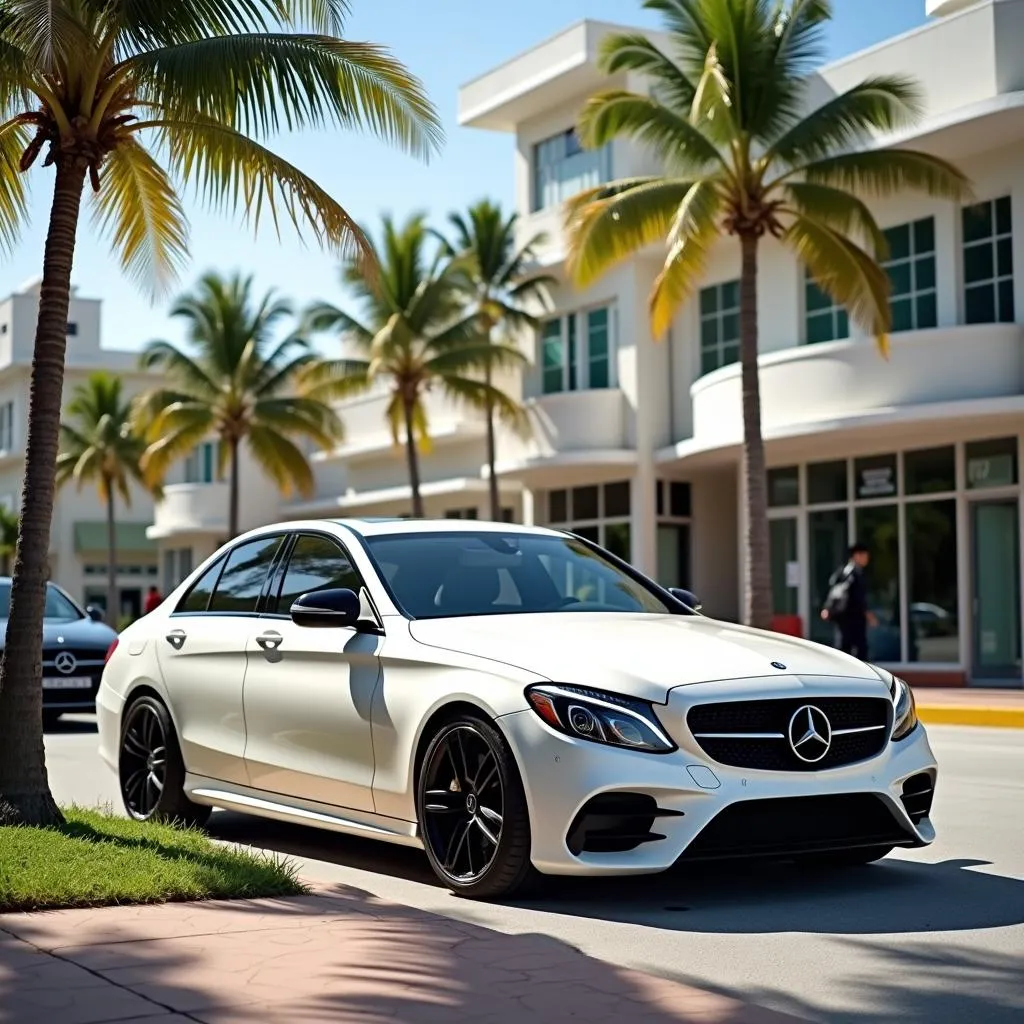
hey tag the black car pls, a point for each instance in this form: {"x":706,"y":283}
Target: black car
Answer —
{"x":75,"y":645}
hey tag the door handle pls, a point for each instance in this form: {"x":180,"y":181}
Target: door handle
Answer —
{"x":176,"y":638}
{"x":269,"y":641}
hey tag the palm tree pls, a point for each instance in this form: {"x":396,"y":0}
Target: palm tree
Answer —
{"x":207,"y":82}
{"x":502,"y":286}
{"x":416,"y":334}
{"x":99,"y":445}
{"x":237,"y":384}
{"x":744,"y":157}
{"x":8,"y":538}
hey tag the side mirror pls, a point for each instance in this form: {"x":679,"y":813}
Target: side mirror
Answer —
{"x":687,"y":597}
{"x":94,"y":613}
{"x":326,"y":608}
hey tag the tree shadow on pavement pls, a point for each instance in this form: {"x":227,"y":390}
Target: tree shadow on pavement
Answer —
{"x":341,"y":955}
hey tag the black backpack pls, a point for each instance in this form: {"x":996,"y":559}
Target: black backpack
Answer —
{"x":838,"y":599}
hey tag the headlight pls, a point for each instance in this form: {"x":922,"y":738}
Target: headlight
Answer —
{"x":600,"y":717}
{"x":904,"y":720}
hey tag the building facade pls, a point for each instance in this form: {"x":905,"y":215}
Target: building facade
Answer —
{"x":636,"y":442}
{"x":78,"y":538}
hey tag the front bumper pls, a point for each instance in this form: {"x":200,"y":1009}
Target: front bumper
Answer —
{"x":572,"y":783}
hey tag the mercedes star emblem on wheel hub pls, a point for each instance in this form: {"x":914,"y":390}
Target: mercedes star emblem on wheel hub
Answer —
{"x":810,"y":733}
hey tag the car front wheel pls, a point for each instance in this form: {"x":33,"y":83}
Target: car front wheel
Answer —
{"x":150,"y":767}
{"x":472,"y":811}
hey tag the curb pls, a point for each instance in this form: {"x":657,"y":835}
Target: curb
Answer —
{"x":952,"y":714}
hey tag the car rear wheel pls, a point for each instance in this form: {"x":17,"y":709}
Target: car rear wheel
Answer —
{"x":150,"y":767}
{"x":472,"y":811}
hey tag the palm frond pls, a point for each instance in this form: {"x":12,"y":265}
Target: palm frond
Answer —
{"x":13,"y":199}
{"x":680,"y":144}
{"x":173,"y":363}
{"x":847,"y":273}
{"x":883,"y":103}
{"x":139,"y":209}
{"x":282,"y":460}
{"x":841,"y":211}
{"x":606,"y":225}
{"x":883,"y":173}
{"x":231,"y":171}
{"x":480,"y":396}
{"x":634,"y":52}
{"x":263,"y":83}
{"x":335,"y":379}
{"x":691,"y":236}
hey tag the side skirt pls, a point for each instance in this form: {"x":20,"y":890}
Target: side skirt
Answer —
{"x":270,"y":805}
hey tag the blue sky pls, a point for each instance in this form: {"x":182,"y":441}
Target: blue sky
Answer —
{"x":457,"y":41}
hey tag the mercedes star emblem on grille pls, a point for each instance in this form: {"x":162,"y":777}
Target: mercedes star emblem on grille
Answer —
{"x":810,"y":733}
{"x":65,"y":662}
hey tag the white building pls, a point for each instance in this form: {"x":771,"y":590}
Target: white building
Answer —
{"x":78,"y":544}
{"x":637,"y":443}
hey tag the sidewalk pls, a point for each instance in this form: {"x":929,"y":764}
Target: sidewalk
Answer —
{"x":339,"y":955}
{"x":968,"y":706}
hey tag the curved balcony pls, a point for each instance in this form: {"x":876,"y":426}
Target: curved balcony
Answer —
{"x":570,"y":428}
{"x":191,"y":508}
{"x":843,"y":383}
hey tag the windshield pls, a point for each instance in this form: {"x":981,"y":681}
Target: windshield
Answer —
{"x":58,"y":606}
{"x":441,"y":575}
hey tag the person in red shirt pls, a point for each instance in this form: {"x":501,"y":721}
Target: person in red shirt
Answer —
{"x":153,"y":600}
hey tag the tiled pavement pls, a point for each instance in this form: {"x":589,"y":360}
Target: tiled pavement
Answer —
{"x":338,"y":955}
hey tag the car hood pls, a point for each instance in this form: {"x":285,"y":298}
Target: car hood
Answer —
{"x":77,"y":633}
{"x":640,"y":655}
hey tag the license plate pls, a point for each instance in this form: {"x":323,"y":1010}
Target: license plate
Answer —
{"x":67,"y":682}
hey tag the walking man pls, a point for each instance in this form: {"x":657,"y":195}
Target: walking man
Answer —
{"x":846,"y":605}
{"x":153,"y":600}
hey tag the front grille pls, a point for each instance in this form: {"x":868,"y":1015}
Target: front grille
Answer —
{"x":616,"y":823}
{"x":787,"y":826}
{"x":88,"y":657}
{"x":755,"y":733}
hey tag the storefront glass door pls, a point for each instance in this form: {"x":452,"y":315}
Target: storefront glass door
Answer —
{"x":829,"y":541}
{"x":995,"y":551}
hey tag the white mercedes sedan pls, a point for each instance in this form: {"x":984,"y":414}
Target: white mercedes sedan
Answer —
{"x":513,"y":700}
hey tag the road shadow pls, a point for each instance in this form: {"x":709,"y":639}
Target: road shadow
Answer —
{"x":894,"y":896}
{"x":343,"y":955}
{"x":912,"y":983}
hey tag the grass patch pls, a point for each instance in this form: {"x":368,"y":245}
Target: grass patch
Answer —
{"x":98,"y":859}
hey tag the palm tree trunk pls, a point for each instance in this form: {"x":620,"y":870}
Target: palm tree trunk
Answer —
{"x":756,"y":566}
{"x":492,"y":483}
{"x":413,"y":459}
{"x":25,"y":796}
{"x":233,"y":491}
{"x":112,"y":605}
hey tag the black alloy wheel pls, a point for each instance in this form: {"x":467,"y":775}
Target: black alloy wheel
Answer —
{"x":472,"y":811}
{"x":150,"y":768}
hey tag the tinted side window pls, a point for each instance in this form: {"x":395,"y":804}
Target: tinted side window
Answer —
{"x":316,"y":563}
{"x":242,"y":581}
{"x":198,"y":597}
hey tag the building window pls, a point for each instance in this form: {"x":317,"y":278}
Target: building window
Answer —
{"x":562,"y":168}
{"x":508,"y":515}
{"x":824,"y":320}
{"x":988,"y":262}
{"x":784,"y":487}
{"x":598,"y":512}
{"x":911,"y":270}
{"x":7,"y":426}
{"x":201,"y":464}
{"x":719,"y":325}
{"x":461,"y":513}
{"x":672,"y":504}
{"x":72,"y":329}
{"x":177,"y":565}
{"x":566,"y":364}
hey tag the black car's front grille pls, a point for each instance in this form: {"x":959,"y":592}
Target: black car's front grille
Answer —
{"x":88,"y":664}
{"x":787,"y":826}
{"x":87,"y":657}
{"x":756,"y":733}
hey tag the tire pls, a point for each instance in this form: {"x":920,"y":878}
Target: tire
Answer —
{"x":846,"y":858}
{"x":459,"y":825}
{"x":151,"y":772}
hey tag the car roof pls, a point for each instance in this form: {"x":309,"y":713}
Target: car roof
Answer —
{"x":378,"y":526}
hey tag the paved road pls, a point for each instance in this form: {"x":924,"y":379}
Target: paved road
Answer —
{"x":932,"y":936}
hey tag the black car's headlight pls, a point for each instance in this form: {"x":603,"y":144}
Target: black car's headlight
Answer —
{"x":904,"y":719}
{"x":600,"y":717}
